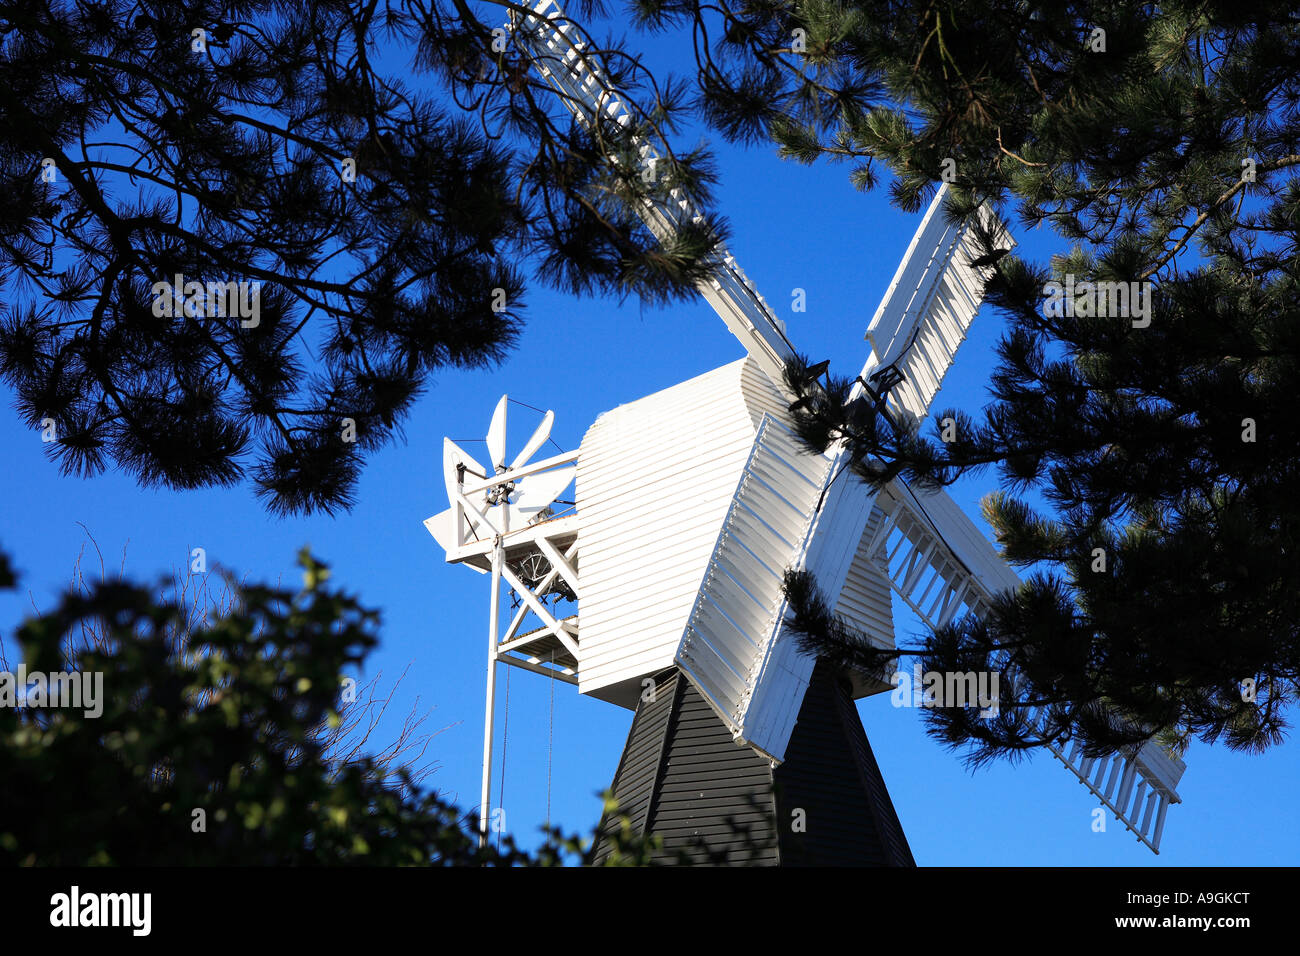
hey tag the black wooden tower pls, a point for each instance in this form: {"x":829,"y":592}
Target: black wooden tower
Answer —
{"x":712,"y":801}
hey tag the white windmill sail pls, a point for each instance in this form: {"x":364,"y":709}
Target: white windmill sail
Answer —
{"x":929,"y":306}
{"x":558,"y":54}
{"x":918,"y":328}
{"x":940,"y":565}
{"x":739,"y":603}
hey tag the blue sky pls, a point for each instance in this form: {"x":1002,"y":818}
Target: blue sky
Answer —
{"x":793,"y":227}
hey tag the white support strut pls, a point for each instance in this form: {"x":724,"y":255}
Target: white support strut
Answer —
{"x":494,"y":611}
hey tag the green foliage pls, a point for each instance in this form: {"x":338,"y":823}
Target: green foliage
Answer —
{"x":206,"y":750}
{"x":386,"y":229}
{"x":626,"y":847}
{"x":822,"y":633}
{"x":1163,"y":152}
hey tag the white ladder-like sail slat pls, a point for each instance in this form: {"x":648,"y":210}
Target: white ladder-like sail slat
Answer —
{"x":929,"y":306}
{"x":544,"y":34}
{"x":944,"y":292}
{"x":921,"y":528}
{"x":728,"y":634}
{"x":864,"y":600}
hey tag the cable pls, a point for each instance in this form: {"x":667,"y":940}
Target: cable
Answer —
{"x":516,"y":401}
{"x":822,"y":500}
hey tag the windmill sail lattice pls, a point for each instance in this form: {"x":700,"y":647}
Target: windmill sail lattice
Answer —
{"x":558,"y":51}
{"x":692,"y":502}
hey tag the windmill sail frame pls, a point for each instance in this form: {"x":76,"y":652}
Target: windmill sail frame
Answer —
{"x":789,"y":508}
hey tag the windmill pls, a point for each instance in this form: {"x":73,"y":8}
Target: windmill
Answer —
{"x":660,"y":589}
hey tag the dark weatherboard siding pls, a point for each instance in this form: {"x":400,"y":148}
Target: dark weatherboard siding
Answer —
{"x":682,"y":777}
{"x":831,"y":775}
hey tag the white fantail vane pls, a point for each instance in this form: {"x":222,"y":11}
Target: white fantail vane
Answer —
{"x":496,"y":506}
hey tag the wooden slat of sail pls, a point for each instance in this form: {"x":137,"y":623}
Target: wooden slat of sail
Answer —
{"x":557,"y":54}
{"x":930,"y":536}
{"x":929,"y":306}
{"x":729,"y":635}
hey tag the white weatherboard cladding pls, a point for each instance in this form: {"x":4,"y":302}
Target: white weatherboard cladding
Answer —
{"x":655,"y":480}
{"x":729,"y":647}
{"x":864,"y":600}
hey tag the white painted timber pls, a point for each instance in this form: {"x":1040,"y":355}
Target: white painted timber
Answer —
{"x":829,"y":554}
{"x":656,"y":478}
{"x":681,"y":562}
{"x":729,"y":646}
{"x":942,"y":566}
{"x":550,"y":38}
{"x":928,"y":307}
{"x":1112,"y":779}
{"x":864,"y":600}
{"x":937,"y":511}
